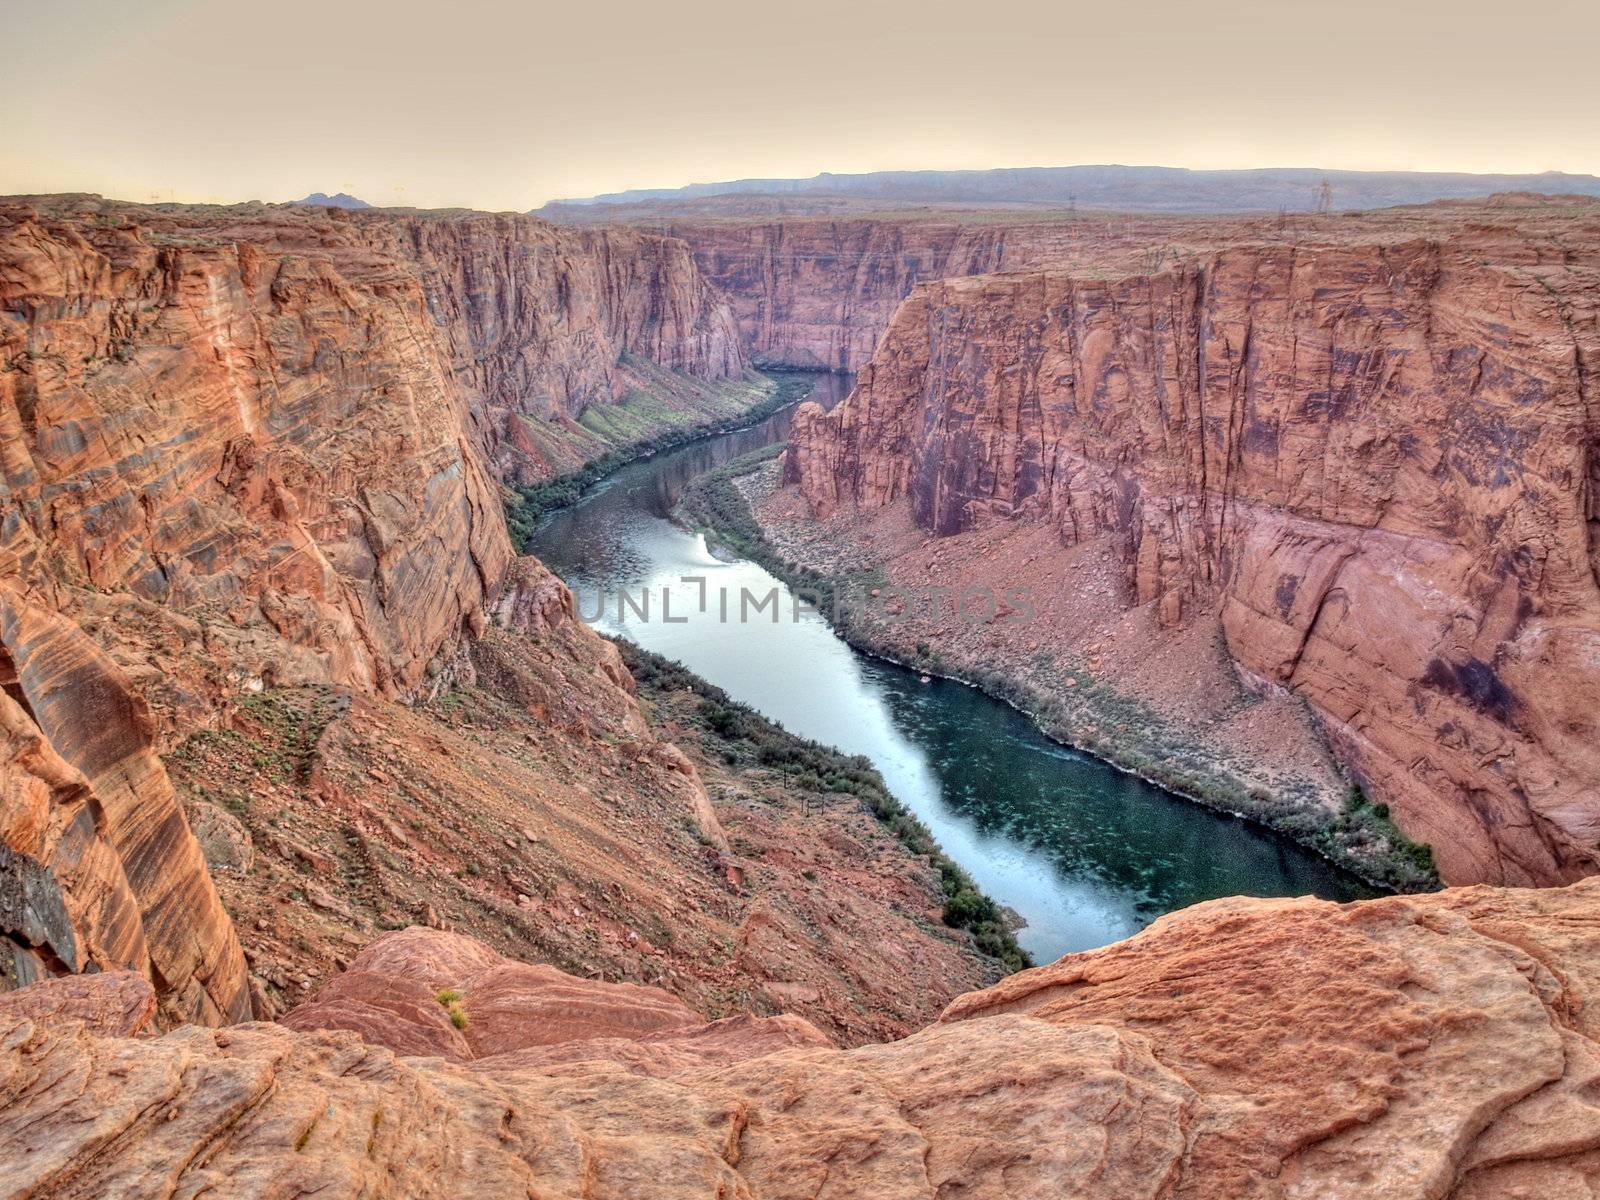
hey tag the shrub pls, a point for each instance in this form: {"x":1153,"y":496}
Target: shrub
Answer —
{"x":452,"y":1001}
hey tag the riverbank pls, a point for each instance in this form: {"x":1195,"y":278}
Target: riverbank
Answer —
{"x":1196,"y":731}
{"x":609,"y":437}
{"x":818,"y":776}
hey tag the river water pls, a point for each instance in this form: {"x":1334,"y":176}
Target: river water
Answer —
{"x":1085,"y":853}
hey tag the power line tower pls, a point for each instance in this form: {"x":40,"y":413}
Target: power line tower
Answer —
{"x":1325,"y":199}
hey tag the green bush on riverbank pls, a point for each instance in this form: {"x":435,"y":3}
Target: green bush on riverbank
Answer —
{"x":812,"y":767}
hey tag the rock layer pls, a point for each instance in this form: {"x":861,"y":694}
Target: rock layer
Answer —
{"x":1435,"y":1046}
{"x":1379,"y":458}
{"x":542,"y":322}
{"x":257,"y":446}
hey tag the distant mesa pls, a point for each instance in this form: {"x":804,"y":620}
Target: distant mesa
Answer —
{"x":342,"y":200}
{"x":1106,"y":187}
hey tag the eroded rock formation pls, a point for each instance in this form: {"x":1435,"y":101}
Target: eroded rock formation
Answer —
{"x":813,"y":292}
{"x":542,"y":322}
{"x":1377,"y":458}
{"x":1437,"y":1046}
{"x":250,"y":447}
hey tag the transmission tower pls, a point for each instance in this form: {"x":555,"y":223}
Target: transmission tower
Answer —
{"x":1325,"y":199}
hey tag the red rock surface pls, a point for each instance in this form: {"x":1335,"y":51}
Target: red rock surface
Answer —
{"x":819,"y":293}
{"x":1437,"y":1046}
{"x":390,"y":995}
{"x":542,"y":322}
{"x":110,"y":1004}
{"x":537,"y":806}
{"x":1377,"y":457}
{"x":812,"y":291}
{"x":252,"y":447}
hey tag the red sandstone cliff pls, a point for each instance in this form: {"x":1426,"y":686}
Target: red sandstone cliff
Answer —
{"x":251,"y":447}
{"x":813,"y":293}
{"x":541,"y":322}
{"x":1377,"y":458}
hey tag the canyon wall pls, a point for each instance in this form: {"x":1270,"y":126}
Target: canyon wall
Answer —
{"x":817,"y":292}
{"x":253,"y":447}
{"x":541,"y":322}
{"x":812,"y":293}
{"x":1376,"y":461}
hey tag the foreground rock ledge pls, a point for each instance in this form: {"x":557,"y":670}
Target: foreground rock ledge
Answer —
{"x":1438,"y":1046}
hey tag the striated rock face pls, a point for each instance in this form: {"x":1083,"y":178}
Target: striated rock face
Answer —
{"x":251,"y":447}
{"x":98,"y":868}
{"x":815,"y":292}
{"x":1438,"y":1046}
{"x":1378,"y":458}
{"x":543,"y":322}
{"x":820,"y":293}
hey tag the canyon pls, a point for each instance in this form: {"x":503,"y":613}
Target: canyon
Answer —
{"x":338,"y":854}
{"x":252,"y":488}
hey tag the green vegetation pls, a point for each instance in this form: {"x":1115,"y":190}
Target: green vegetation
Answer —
{"x":714,"y":505}
{"x":452,"y":1001}
{"x":750,"y":739}
{"x":273,"y":742}
{"x":644,"y":423}
{"x":1372,"y":822}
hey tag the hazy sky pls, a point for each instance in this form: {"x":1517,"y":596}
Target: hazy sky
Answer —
{"x":506,"y":105}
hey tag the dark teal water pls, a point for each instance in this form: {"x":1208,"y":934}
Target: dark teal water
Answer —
{"x":1085,"y":854}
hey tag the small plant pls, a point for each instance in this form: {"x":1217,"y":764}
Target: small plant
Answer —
{"x":452,"y":1001}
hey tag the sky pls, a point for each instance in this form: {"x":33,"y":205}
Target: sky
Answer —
{"x":437,"y":103}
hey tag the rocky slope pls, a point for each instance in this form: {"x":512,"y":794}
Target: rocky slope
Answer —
{"x":251,"y":448}
{"x":1438,"y":1046}
{"x":1369,"y":458}
{"x":537,"y":805}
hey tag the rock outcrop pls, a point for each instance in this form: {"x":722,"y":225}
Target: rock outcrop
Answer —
{"x":1438,"y":1046}
{"x":250,"y":447}
{"x":1376,"y":458}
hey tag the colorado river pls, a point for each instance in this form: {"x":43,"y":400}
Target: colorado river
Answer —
{"x":1083,"y":852}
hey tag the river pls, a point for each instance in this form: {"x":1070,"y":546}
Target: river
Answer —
{"x":1084,"y":853}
